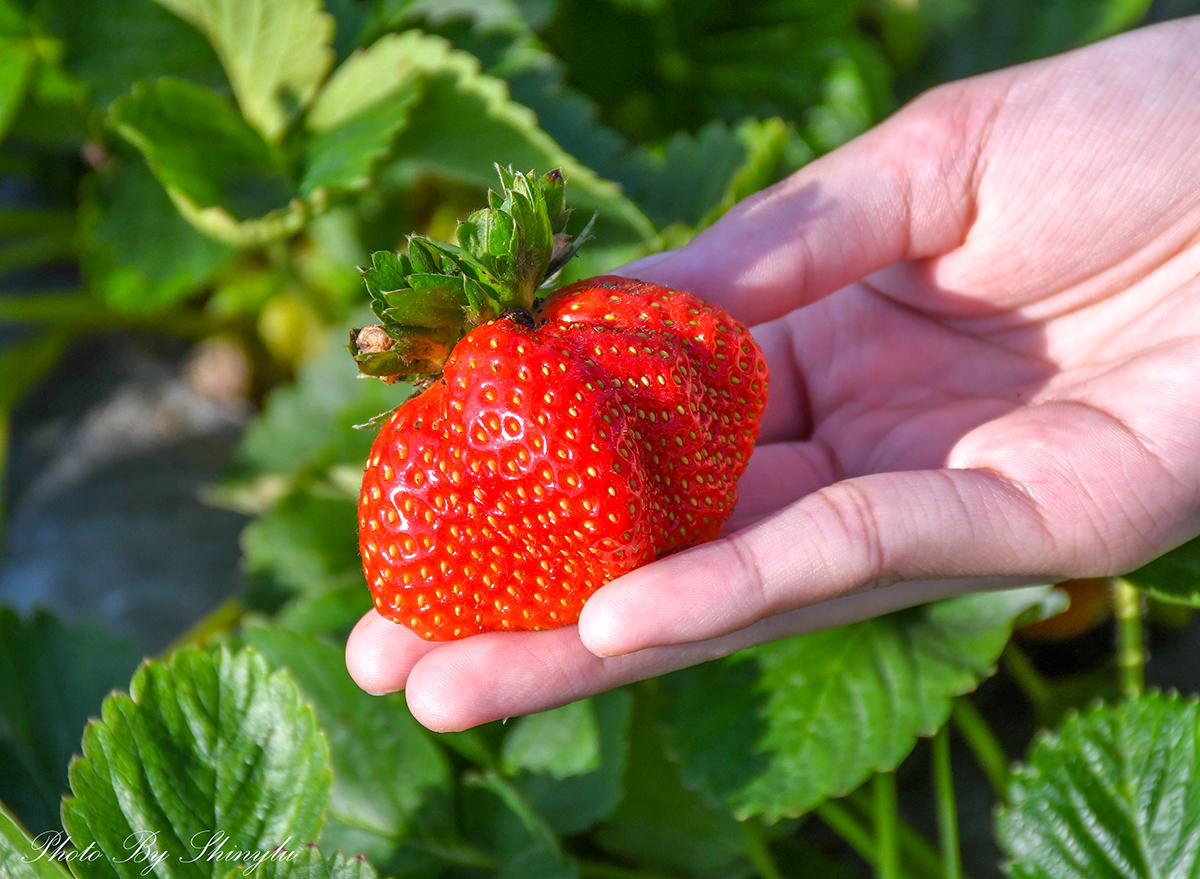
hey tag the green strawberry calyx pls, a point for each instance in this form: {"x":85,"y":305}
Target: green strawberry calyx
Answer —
{"x":433,"y":295}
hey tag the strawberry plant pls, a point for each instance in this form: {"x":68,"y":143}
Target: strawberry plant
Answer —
{"x":214,"y":172}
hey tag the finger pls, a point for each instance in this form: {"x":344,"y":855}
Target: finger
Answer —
{"x":872,"y":530}
{"x":380,"y":654}
{"x":902,"y":191}
{"x":488,"y":677}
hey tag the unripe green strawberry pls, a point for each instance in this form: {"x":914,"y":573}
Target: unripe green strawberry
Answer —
{"x":562,"y":444}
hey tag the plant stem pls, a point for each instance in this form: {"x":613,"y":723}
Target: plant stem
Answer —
{"x":947,"y":811}
{"x":1028,"y":678}
{"x":887,"y":814}
{"x":759,"y":851}
{"x":842,"y":821}
{"x":914,"y":847}
{"x":1131,"y":648}
{"x":982,"y":742}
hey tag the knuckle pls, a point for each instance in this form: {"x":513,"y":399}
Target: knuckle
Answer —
{"x":851,"y":513}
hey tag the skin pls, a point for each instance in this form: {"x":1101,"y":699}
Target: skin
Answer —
{"x":982,"y":320}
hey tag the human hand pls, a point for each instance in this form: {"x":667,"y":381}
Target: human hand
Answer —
{"x":982,"y":320}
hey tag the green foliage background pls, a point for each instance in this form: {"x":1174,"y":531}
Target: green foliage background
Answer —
{"x":215,"y":170}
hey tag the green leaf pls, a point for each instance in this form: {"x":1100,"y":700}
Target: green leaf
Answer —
{"x":656,"y":68}
{"x":498,"y":818}
{"x":225,"y":179}
{"x":390,"y":781}
{"x":18,"y":56}
{"x":1174,"y":577}
{"x":54,"y":677}
{"x":358,"y":112}
{"x":569,"y":762}
{"x":211,"y":751}
{"x":1114,"y":793}
{"x":777,"y":729}
{"x":275,"y":52}
{"x":308,"y":863}
{"x":138,"y":253}
{"x":467,"y":121}
{"x":659,"y":822}
{"x":693,"y":179}
{"x":345,"y":157}
{"x":25,"y":857}
{"x":111,"y":44}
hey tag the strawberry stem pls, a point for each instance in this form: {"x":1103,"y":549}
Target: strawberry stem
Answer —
{"x":433,"y":295}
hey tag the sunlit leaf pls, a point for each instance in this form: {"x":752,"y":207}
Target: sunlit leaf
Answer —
{"x":29,"y":857}
{"x":466,"y":121}
{"x":209,"y":747}
{"x":17,"y":58}
{"x":223,"y":177}
{"x":1114,"y":794}
{"x":138,"y":253}
{"x":275,"y":52}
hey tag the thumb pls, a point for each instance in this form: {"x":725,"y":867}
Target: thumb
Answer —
{"x":904,"y":190}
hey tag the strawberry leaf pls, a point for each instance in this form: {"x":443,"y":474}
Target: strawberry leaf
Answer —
{"x":275,"y":52}
{"x":569,"y":762}
{"x":221,"y":175}
{"x":498,"y":818}
{"x":308,"y":863}
{"x":54,"y":678}
{"x":112,"y":44}
{"x":391,"y":783}
{"x":209,"y":752}
{"x":467,"y":121}
{"x":659,"y":822}
{"x":777,"y":729}
{"x":1114,"y":793}
{"x":137,"y":251}
{"x":357,"y":113}
{"x":694,"y":178}
{"x":1174,"y":577}
{"x":26,"y":857}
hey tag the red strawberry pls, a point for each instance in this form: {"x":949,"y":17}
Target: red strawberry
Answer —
{"x":563,"y":443}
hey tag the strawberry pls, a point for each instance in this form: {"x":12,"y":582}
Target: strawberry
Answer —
{"x":558,"y":441}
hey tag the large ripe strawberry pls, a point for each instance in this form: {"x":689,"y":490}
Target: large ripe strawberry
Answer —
{"x":558,"y":442}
